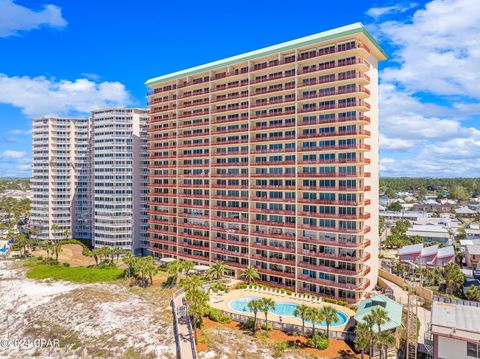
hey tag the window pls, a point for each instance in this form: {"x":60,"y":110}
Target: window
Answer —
{"x":473,"y":350}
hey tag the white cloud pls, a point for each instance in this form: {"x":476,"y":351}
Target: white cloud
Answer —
{"x":15,"y":18}
{"x":40,"y":96}
{"x":438,"y":50}
{"x":381,"y":11}
{"x":19,"y":132}
{"x":12,"y":154}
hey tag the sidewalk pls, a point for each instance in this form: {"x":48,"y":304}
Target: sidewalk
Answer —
{"x":186,"y":340}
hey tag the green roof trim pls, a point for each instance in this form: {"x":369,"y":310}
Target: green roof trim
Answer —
{"x":393,"y":309}
{"x":285,"y":46}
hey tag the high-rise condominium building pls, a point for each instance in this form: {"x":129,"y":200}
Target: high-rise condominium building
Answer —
{"x":61,"y":204}
{"x":90,"y":178}
{"x":270,"y":159}
{"x":120,"y":178}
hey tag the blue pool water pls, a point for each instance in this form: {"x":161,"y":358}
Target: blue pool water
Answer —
{"x":285,"y":309}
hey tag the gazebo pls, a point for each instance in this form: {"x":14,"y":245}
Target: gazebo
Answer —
{"x":393,"y":309}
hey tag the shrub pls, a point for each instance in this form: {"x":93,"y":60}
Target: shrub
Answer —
{"x":322,"y":341}
{"x":65,"y":264}
{"x":50,"y":261}
{"x":217,"y":316}
{"x":40,"y":258}
{"x":219,"y":287}
{"x":280,"y":348}
{"x":249,"y":324}
{"x":289,"y":292}
{"x":241,"y":286}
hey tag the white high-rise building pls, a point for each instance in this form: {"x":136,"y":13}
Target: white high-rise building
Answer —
{"x":61,"y":178}
{"x":119,"y":171}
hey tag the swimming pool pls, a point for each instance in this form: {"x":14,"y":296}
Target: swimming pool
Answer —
{"x":285,"y":309}
{"x":4,"y":249}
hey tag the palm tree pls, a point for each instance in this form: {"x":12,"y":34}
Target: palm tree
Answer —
{"x":362,"y":338}
{"x":255,"y":306}
{"x":149,"y":267}
{"x":250,"y":274}
{"x":198,"y":306}
{"x":57,"y":248}
{"x":217,"y":271}
{"x":302,"y":312}
{"x":370,"y":322}
{"x":128,"y":259}
{"x":117,"y":251}
{"x":266,"y":304}
{"x":315,"y":315}
{"x":386,"y":339}
{"x":187,"y":266}
{"x":66,"y":233}
{"x":174,"y":268}
{"x":453,"y":277}
{"x":330,"y":315}
{"x":191,"y":283}
{"x":380,"y":317}
{"x":54,"y":230}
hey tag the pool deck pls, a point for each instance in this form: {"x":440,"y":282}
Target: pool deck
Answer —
{"x":244,"y":293}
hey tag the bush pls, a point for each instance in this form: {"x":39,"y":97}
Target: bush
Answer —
{"x":322,"y":341}
{"x":65,"y":264}
{"x":249,"y":324}
{"x":50,"y":261}
{"x":280,"y":348}
{"x":219,"y":287}
{"x":241,"y":286}
{"x":217,"y":316}
{"x":289,"y":292}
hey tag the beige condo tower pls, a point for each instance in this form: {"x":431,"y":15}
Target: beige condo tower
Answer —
{"x":270,"y":159}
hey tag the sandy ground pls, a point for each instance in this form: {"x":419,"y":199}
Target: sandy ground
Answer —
{"x":71,"y":253}
{"x":229,"y":341}
{"x":89,"y":320}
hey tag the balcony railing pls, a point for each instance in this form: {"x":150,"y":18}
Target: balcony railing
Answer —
{"x":328,"y":283}
{"x":273,"y":248}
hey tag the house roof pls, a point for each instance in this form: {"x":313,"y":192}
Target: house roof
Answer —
{"x":465,"y":210}
{"x":356,"y":28}
{"x":473,"y":249}
{"x":393,"y":309}
{"x":429,"y":251}
{"x":445,"y":252}
{"x":412,"y":248}
{"x":458,"y":318}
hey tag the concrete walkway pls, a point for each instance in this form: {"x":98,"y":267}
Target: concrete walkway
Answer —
{"x":186,"y":339}
{"x":401,"y":297}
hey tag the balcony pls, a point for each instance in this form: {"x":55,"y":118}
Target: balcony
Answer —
{"x":273,"y":139}
{"x":229,"y":231}
{"x":230,"y":208}
{"x":329,"y":174}
{"x":232,"y":130}
{"x":343,"y":258}
{"x":357,"y":76}
{"x":272,"y":78}
{"x":193,"y":246}
{"x":160,"y":90}
{"x":162,"y":251}
{"x":333,"y":215}
{"x":340,"y":63}
{"x":332,"y":270}
{"x":196,"y":93}
{"x":186,"y":115}
{"x":328,"y":283}
{"x":342,"y":244}
{"x":330,"y":202}
{"x":194,"y":256}
{"x":353,"y":146}
{"x":273,"y":63}
{"x":276,"y":273}
{"x":231,"y":120}
{"x":365,"y":119}
{"x":273,"y":248}
{"x":331,"y":50}
{"x":230,"y":219}
{"x":273,"y":114}
{"x":230,"y":109}
{"x":161,"y":231}
{"x":273,"y":224}
{"x":267,"y":175}
{"x":271,"y":127}
{"x":224,"y":87}
{"x":228,"y":175}
{"x":228,"y":98}
{"x":334,"y":161}
{"x":286,"y":87}
{"x":229,"y":242}
{"x":336,"y":134}
{"x":269,"y":103}
{"x":335,"y":230}
{"x":197,"y":124}
{"x":160,"y":100}
{"x":279,"y":188}
{"x":193,"y":82}
{"x":356,"y":103}
{"x":227,"y":252}
{"x":273,"y":260}
{"x":273,"y":235}
{"x":193,"y":104}
{"x":280,"y":150}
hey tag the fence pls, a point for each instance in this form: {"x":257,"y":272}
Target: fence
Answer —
{"x":456,"y":301}
{"x":294,"y":328}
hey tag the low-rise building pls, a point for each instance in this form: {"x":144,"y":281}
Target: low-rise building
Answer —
{"x":455,"y":329}
{"x":427,"y":256}
{"x":472,"y":255}
{"x":466,"y":212}
{"x":393,"y":309}
{"x":433,"y":207}
{"x":472,"y":233}
{"x":411,"y":216}
{"x":429,"y":233}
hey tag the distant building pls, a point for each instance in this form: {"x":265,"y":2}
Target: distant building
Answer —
{"x":432,"y":207}
{"x":472,"y":256}
{"x":455,"y":329}
{"x":61,"y":178}
{"x":472,"y":233}
{"x":411,"y":216}
{"x":427,"y":256}
{"x":430,"y":233}
{"x":466,"y":212}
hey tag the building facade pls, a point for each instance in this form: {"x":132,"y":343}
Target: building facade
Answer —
{"x":119,"y":178}
{"x":270,"y":159}
{"x":61,"y":188}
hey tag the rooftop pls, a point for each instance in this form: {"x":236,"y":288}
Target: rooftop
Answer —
{"x":393,"y":309}
{"x":456,"y":318}
{"x":412,"y":248}
{"x":303,"y":41}
{"x":473,"y":249}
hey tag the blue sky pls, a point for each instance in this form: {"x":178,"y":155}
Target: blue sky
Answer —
{"x":67,"y":57}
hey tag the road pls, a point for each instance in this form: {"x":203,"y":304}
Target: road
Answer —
{"x":401,"y":297}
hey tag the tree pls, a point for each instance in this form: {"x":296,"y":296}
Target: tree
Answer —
{"x":385,"y":340}
{"x":250,"y":274}
{"x":380,"y":317}
{"x":390,"y":193}
{"x":370,"y":322}
{"x":459,"y":193}
{"x":67,"y":234}
{"x":174,"y":268}
{"x":54,"y":230}
{"x":198,"y":306}
{"x":187,"y":266}
{"x":395,"y":206}
{"x":255,"y":306}
{"x":266,"y":304}
{"x":218,"y":270}
{"x":315,"y":315}
{"x":330,"y":315}
{"x":57,"y":248}
{"x":362,"y":338}
{"x":473,"y":293}
{"x":192,"y":283}
{"x":381,"y":225}
{"x":302,"y":312}
{"x":128,"y":259}
{"x":453,"y":278}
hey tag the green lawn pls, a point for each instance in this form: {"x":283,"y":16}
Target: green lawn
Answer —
{"x":72,"y":274}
